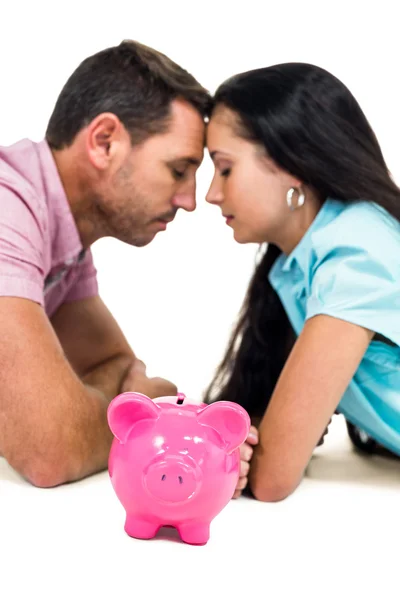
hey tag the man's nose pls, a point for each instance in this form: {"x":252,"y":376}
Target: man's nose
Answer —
{"x":186,"y":198}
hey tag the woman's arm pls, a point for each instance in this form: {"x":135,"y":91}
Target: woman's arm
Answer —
{"x":312,"y":383}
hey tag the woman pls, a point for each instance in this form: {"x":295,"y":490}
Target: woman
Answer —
{"x":298,"y":166}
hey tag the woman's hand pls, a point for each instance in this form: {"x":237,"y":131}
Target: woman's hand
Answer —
{"x":246,"y":452}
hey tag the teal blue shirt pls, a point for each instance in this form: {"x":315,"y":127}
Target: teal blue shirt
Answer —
{"x":347,"y":266}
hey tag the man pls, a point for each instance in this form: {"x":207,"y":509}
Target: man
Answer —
{"x":119,"y":159}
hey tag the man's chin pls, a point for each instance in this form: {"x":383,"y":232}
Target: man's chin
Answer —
{"x":146,"y":238}
{"x":144,"y":241}
{"x":143,"y":238}
{"x":137,"y":241}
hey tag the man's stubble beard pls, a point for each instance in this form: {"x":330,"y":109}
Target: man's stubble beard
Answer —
{"x":125,"y":220}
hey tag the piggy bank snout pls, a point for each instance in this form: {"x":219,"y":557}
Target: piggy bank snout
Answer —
{"x":172,"y":479}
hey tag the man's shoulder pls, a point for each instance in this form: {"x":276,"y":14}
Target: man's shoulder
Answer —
{"x":21,"y":181}
{"x":19,"y":165}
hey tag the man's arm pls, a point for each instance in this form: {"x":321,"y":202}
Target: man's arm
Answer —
{"x":94,"y":344}
{"x":56,"y":385}
{"x":99,"y":352}
{"x":56,"y":382}
{"x":53,"y":427}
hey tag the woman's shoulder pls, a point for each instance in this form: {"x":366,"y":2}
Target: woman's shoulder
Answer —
{"x":355,"y":268}
{"x":359,"y":225}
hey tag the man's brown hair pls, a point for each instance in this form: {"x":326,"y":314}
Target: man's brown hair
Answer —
{"x":132,"y":81}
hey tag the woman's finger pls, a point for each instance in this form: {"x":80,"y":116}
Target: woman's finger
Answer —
{"x":241,"y":484}
{"x":246,"y":452}
{"x":244,"y":468}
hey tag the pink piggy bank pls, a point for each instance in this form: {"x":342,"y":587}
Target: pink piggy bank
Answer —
{"x":173,"y":463}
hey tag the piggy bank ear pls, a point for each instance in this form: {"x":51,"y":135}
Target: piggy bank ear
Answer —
{"x":126,"y":410}
{"x":229,"y":419}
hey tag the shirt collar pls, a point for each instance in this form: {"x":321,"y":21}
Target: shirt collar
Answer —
{"x":301,"y":253}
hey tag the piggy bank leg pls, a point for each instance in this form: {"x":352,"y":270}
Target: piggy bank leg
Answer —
{"x":195,"y":533}
{"x":140,"y":528}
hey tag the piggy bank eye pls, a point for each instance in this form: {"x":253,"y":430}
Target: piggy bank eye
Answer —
{"x":185,"y":450}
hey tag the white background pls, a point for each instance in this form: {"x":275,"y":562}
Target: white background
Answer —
{"x":176,"y":301}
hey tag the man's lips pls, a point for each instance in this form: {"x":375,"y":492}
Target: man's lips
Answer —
{"x":162,"y":222}
{"x":167,"y":218}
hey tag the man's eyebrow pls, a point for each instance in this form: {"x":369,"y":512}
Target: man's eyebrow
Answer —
{"x":191,"y":160}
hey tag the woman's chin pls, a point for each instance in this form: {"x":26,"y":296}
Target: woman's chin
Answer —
{"x":242,"y":238}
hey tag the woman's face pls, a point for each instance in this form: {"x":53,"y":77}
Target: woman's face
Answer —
{"x":247,"y":186}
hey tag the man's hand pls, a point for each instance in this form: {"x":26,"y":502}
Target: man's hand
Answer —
{"x":246,"y":452}
{"x":136,"y":380}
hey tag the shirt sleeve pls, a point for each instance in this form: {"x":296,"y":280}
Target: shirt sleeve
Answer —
{"x":86,"y":284}
{"x":21,"y":248}
{"x":357,"y":274}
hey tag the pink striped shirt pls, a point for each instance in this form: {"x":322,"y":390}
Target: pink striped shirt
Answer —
{"x":41,"y":255}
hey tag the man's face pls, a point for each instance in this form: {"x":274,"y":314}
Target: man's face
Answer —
{"x":154,"y":179}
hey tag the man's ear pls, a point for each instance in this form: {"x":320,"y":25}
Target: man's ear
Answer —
{"x":106,"y":138}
